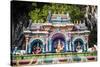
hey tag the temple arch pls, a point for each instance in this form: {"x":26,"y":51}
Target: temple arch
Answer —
{"x":58,"y":43}
{"x":79,"y":44}
{"x":35,"y":47}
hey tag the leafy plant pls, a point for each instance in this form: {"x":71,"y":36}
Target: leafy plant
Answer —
{"x":40,"y":12}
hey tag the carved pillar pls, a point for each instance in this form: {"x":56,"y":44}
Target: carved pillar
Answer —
{"x":84,"y":46}
{"x":49,"y":45}
{"x":68,"y":40}
{"x":70,"y":46}
{"x":43,"y":47}
{"x":67,"y":45}
{"x":46,"y":45}
{"x":73,"y":45}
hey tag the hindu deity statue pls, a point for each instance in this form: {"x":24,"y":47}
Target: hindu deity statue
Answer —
{"x":37,"y":50}
{"x":59,"y":47}
{"x":78,"y":48}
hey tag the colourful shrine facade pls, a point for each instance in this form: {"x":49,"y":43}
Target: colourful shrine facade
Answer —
{"x":57,"y":35}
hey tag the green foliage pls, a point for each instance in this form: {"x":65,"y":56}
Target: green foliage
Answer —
{"x":40,"y":12}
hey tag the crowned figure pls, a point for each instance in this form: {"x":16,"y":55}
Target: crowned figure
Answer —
{"x":37,"y":49}
{"x":59,"y":47}
{"x":78,"y":48}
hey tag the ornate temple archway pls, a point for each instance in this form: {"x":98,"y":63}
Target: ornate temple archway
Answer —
{"x":35,"y":47}
{"x":78,"y":45}
{"x":58,"y":43}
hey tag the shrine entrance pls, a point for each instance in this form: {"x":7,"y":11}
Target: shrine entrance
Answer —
{"x":58,"y":43}
{"x":36,"y":46}
{"x":79,"y":45}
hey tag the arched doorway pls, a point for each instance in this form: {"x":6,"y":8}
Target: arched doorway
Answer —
{"x":36,"y":46}
{"x":58,"y":43}
{"x":78,"y":45}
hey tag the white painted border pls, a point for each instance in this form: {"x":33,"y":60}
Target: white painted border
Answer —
{"x":89,"y":2}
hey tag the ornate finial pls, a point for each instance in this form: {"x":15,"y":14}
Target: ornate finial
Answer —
{"x":77,"y":21}
{"x":62,"y":12}
{"x":80,"y":21}
{"x":74,"y":21}
{"x":58,"y":12}
{"x":67,"y":14}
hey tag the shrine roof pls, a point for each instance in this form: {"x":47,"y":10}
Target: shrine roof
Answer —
{"x":59,"y":18}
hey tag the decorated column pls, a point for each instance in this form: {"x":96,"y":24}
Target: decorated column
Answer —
{"x":70,"y":47}
{"x":46,"y":44}
{"x":49,"y":45}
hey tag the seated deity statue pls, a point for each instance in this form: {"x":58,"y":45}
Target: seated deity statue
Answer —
{"x":36,"y":50}
{"x":78,"y":48}
{"x":59,"y":47}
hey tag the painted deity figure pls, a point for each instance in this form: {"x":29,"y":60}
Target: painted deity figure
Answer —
{"x":37,"y":50}
{"x":59,"y":47}
{"x":78,"y":48}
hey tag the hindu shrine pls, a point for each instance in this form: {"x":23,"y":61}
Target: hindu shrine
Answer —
{"x":58,"y":34}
